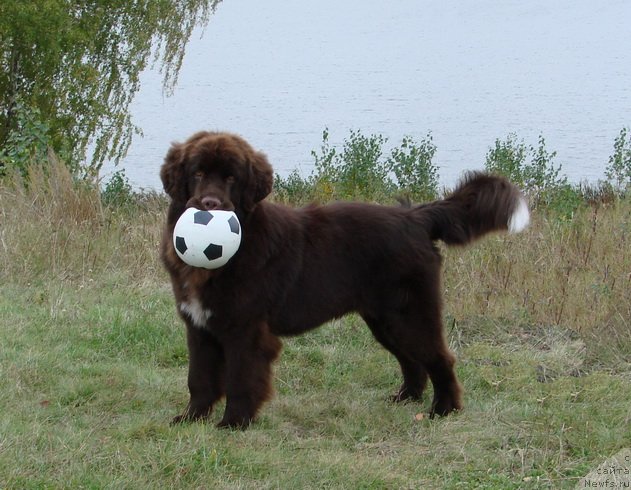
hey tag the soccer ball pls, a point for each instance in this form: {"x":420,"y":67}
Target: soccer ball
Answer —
{"x":207,"y":238}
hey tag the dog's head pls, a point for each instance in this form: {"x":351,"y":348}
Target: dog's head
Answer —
{"x":216,"y":171}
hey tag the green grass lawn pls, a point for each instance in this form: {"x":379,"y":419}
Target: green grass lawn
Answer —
{"x":92,"y":372}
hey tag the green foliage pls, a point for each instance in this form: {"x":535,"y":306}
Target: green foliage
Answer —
{"x":412,"y":165}
{"x":356,"y":172}
{"x":324,"y":177}
{"x":533,"y":169}
{"x":30,"y":144}
{"x":293,"y":188}
{"x":360,"y":171}
{"x":619,"y":168}
{"x":324,"y":162}
{"x":541,"y":174}
{"x":563,"y":200}
{"x":76,"y":68}
{"x":118,"y":191}
{"x":510,"y":157}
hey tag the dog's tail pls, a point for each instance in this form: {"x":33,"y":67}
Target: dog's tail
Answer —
{"x":480,"y":204}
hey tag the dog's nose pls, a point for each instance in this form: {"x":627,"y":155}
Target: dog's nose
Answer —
{"x":210,"y":203}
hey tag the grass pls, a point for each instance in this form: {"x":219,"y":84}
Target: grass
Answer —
{"x":93,"y":363}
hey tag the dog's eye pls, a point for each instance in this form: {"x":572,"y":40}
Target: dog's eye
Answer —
{"x":199,"y":175}
{"x":230,"y":179}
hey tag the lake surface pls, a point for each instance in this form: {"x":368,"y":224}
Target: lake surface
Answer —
{"x":279,"y":72}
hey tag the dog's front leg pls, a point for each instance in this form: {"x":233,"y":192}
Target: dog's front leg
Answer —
{"x":249,"y":356}
{"x":206,"y":366}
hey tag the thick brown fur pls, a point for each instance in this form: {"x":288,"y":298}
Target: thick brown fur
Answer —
{"x":298,"y":268}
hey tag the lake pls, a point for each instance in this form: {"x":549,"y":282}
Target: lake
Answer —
{"x":279,"y":73}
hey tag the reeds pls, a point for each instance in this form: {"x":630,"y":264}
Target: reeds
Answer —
{"x":55,"y":227}
{"x":574,"y":273}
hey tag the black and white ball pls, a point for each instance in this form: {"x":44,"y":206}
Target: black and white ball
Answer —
{"x":207,"y":238}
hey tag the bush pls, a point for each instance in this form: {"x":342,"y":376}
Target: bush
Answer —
{"x":359,"y":171}
{"x":541,"y":175}
{"x":293,"y":189}
{"x":412,"y":165}
{"x":356,"y":172}
{"x":29,"y":142}
{"x":563,"y":200}
{"x":508,"y":158}
{"x":118,"y":192}
{"x":533,"y":169}
{"x":619,"y":168}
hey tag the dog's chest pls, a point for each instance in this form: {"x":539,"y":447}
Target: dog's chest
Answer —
{"x":193,"y":302}
{"x":193,"y":308}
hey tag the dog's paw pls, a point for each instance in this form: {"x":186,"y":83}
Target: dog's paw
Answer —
{"x":191,"y":415}
{"x":237,"y":424}
{"x":405,"y":394}
{"x":444,"y":406}
{"x":179,"y":420}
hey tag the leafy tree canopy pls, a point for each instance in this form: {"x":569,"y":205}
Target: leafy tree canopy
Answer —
{"x":69,"y":70}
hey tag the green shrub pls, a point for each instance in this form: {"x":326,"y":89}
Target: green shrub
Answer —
{"x":619,"y":168}
{"x":541,"y":175}
{"x":412,"y":165}
{"x":324,"y":177}
{"x":27,"y":143}
{"x":117,"y":191}
{"x":508,"y":158}
{"x":563,"y":200}
{"x":294,"y":188}
{"x":360,"y":171}
{"x":533,"y":169}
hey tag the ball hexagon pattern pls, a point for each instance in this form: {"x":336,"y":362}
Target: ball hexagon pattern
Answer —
{"x":207,"y":239}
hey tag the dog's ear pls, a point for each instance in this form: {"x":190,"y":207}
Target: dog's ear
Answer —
{"x":260,"y":181}
{"x":172,"y":173}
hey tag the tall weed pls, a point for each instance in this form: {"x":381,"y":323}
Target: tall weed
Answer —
{"x":572,"y":273}
{"x":56,"y":226}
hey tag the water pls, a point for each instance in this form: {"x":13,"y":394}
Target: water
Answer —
{"x":279,"y":72}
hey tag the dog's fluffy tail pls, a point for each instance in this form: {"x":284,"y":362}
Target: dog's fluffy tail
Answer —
{"x":480,"y":204}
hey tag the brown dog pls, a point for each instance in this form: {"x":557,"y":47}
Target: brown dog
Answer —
{"x":299,"y":268}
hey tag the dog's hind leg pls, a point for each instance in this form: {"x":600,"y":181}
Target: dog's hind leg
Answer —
{"x":411,"y":328}
{"x":419,"y":334}
{"x":439,"y":362}
{"x":414,"y":374}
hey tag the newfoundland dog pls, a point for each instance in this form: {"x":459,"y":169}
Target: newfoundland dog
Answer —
{"x":299,"y":268}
